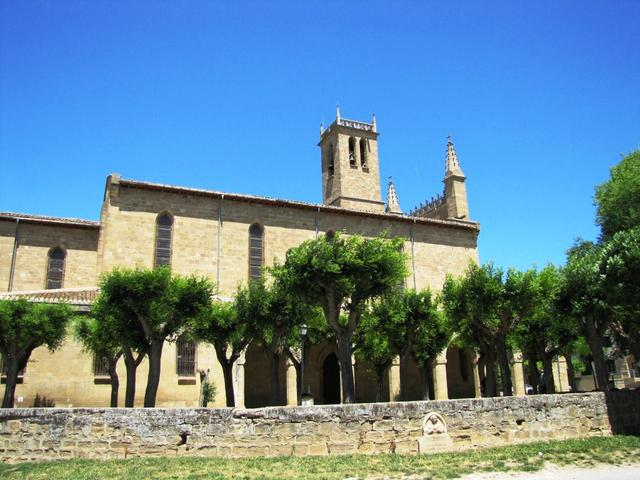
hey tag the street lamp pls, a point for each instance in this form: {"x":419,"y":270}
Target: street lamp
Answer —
{"x":303,"y":334}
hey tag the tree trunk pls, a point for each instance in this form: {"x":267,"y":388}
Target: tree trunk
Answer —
{"x":595,"y":344}
{"x":425,"y":380}
{"x":227,"y":372}
{"x":547,"y":366}
{"x":132,"y":367}
{"x":115,"y":383}
{"x":404,"y":377}
{"x":275,"y":378}
{"x":380,"y":371}
{"x":571,"y":373}
{"x":153,"y":379}
{"x":346,"y":372}
{"x":505,"y":369}
{"x":12,"y":380}
{"x":490,"y":387}
{"x":534,"y":373}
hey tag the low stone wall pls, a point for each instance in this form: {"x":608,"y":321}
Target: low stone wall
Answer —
{"x":411,"y":427}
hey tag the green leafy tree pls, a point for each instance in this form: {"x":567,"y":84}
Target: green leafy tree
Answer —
{"x":619,"y":268}
{"x":105,"y":347}
{"x":374,"y":336}
{"x":432,"y":335}
{"x":160,"y":305}
{"x":618,"y":199}
{"x":582,"y":295}
{"x":471,"y":306}
{"x":543,"y":332}
{"x":230,"y":327}
{"x":25,"y":326}
{"x":342,"y":274}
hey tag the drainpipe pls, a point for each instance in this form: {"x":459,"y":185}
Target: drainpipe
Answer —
{"x":413,"y":257}
{"x":16,"y":241}
{"x":317,"y":226}
{"x":218,"y":250}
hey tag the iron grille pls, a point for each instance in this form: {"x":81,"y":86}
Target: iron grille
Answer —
{"x":185,"y":358}
{"x":55,"y":271}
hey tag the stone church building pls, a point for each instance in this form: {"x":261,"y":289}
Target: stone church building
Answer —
{"x":228,"y":238}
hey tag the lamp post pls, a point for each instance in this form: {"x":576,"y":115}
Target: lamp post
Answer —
{"x":303,"y":335}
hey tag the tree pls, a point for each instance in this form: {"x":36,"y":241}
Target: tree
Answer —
{"x":230,"y":327}
{"x":582,"y":295}
{"x":373,"y":337}
{"x":104,"y":347}
{"x":543,"y":332}
{"x":160,"y":305}
{"x":618,"y":199}
{"x":342,"y":274}
{"x":25,"y":326}
{"x":471,"y":303}
{"x":432,"y":335}
{"x":619,"y":268}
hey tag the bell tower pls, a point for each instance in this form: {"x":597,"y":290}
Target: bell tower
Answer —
{"x":350,"y":170}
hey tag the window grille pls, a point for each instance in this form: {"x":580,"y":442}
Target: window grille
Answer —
{"x":185,"y":358}
{"x":55,"y":268}
{"x":164,"y":227}
{"x":256,"y":251}
{"x":100,"y":367}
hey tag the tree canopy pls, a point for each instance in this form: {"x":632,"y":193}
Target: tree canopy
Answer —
{"x":618,"y":199}
{"x":25,"y":326}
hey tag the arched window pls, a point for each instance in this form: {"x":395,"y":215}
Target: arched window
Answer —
{"x":363,"y":153}
{"x":55,"y":268}
{"x":352,"y":152}
{"x":330,"y":163}
{"x":164,"y":227}
{"x":185,"y":357}
{"x":256,"y":251}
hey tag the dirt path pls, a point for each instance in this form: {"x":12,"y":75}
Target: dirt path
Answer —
{"x":552,"y":472}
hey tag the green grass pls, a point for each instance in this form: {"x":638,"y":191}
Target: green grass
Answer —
{"x":529,"y":457}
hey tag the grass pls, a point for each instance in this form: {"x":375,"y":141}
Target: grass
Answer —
{"x":528,"y":457}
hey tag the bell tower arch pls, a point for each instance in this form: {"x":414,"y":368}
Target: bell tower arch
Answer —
{"x":350,"y":168}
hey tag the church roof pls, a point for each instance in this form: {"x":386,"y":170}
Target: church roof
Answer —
{"x":298,"y":204}
{"x":24,"y":217}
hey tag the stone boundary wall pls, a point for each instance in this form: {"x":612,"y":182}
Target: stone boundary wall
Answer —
{"x":407,"y":427}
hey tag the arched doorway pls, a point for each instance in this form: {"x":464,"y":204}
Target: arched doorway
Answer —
{"x":331,"y":379}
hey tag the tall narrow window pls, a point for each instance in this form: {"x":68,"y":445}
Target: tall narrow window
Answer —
{"x":55,"y":268}
{"x":363,"y":153}
{"x":164,"y":227}
{"x":100,"y":367}
{"x":256,"y":251}
{"x":330,"y":164}
{"x":352,"y":152}
{"x":185,"y":357}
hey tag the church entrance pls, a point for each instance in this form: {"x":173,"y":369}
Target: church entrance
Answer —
{"x":331,"y":379}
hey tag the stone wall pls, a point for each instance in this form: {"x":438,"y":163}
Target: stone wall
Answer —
{"x":411,"y":427}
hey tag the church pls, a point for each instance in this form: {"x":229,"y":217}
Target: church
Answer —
{"x":229,"y":238}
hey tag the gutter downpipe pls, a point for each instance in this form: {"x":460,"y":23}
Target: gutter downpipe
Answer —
{"x":16,"y":241}
{"x":218,"y":249}
{"x":413,"y":257}
{"x":317,"y":226}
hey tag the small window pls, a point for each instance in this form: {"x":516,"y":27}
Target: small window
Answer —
{"x":330,"y":162}
{"x":363,"y":153}
{"x":100,"y":367}
{"x":185,"y":358}
{"x":352,"y":152}
{"x":55,"y":268}
{"x":256,"y":251}
{"x":164,"y":227}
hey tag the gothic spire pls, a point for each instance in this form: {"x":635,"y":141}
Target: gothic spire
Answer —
{"x":393,"y":205}
{"x":452,"y":165}
{"x":338,"y":112}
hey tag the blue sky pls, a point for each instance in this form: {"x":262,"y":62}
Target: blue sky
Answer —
{"x":541,"y":99}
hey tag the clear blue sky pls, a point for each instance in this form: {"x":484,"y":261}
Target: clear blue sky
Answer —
{"x":541,"y":99}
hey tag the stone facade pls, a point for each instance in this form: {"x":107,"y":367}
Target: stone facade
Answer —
{"x":210,"y":237}
{"x":406,"y":428}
